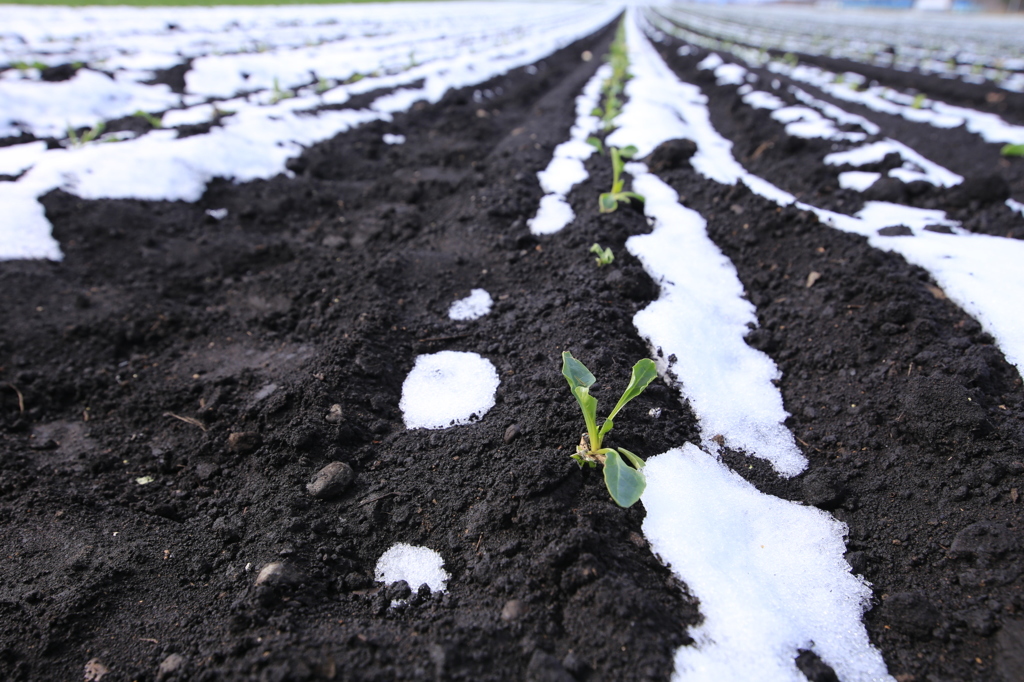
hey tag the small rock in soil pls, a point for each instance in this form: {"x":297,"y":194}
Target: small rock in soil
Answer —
{"x":244,"y":442}
{"x":511,"y":433}
{"x":671,"y":154}
{"x":279,"y":574}
{"x":513,"y":610}
{"x":983,"y":538}
{"x":170,"y":666}
{"x":334,"y":415}
{"x":330,"y":481}
{"x":896,"y":231}
{"x":95,"y":670}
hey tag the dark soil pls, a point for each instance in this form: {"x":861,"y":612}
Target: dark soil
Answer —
{"x":210,"y":355}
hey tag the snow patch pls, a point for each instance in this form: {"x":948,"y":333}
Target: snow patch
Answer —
{"x":446,"y":389}
{"x":473,"y":307}
{"x":770,"y":575}
{"x":415,"y":565}
{"x":858,"y":180}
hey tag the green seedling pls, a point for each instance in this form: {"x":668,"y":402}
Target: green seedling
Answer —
{"x":596,"y":143}
{"x":790,"y":59}
{"x":86,"y":137}
{"x":609,"y":201}
{"x":918,"y":102}
{"x":1012,"y":150}
{"x":322,"y":86}
{"x":625,"y":483}
{"x":149,"y":118}
{"x":279,"y":94}
{"x":604,"y":256}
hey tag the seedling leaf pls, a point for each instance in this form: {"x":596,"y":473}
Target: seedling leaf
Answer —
{"x":1012,"y":150}
{"x":596,"y":143}
{"x":644,"y":372}
{"x":628,"y":152}
{"x":633,"y":459}
{"x":607,"y":202}
{"x":625,"y":484}
{"x":575,"y":372}
{"x":604,"y":256}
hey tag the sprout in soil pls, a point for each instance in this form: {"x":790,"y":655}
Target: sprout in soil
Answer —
{"x":278,"y":94}
{"x":1012,"y":150}
{"x":86,"y":137}
{"x":604,"y":256}
{"x":609,"y":201}
{"x":625,"y":483}
{"x":596,"y":143}
{"x":149,"y":118}
{"x":918,"y":102}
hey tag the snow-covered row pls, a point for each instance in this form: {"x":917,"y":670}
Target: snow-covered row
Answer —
{"x":255,"y":141}
{"x":764,"y":586}
{"x":566,"y":169}
{"x":977,"y":49}
{"x":413,"y":40}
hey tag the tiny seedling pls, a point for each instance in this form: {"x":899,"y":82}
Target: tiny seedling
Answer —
{"x":596,"y":143}
{"x":86,"y":137}
{"x":604,"y":256}
{"x":149,"y":118}
{"x":609,"y":201}
{"x":279,"y":94}
{"x":1012,"y":150}
{"x":625,"y":483}
{"x":918,"y":102}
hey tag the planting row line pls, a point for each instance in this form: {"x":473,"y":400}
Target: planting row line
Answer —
{"x":977,"y":50}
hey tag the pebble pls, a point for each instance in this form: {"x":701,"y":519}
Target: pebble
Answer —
{"x":514,"y":609}
{"x":511,"y":433}
{"x":244,"y":442}
{"x":170,"y":665}
{"x":331,"y":481}
{"x":95,"y":670}
{"x":278,"y":574}
{"x":334,"y":415}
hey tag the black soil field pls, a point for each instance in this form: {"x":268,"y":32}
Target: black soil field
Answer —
{"x":230,"y":361}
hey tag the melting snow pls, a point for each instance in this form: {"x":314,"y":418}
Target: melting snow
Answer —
{"x":448,"y":388}
{"x":415,"y":565}
{"x":473,"y":307}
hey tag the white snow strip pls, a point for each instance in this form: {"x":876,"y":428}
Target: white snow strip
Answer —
{"x":928,"y":171}
{"x":1015,"y":206}
{"x":18,"y":157}
{"x":759,"y":99}
{"x":447,"y":389}
{"x":699,"y":322}
{"x":770,"y":575}
{"x":730,"y":74}
{"x":415,"y":565}
{"x":473,"y":307}
{"x":808,"y":123}
{"x":566,"y":169}
{"x":858,"y":180}
{"x":391,"y":138}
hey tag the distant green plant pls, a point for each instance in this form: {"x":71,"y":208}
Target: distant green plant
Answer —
{"x":596,"y":143}
{"x":625,"y":483}
{"x":609,"y":201}
{"x":918,"y":102}
{"x":1012,"y":150}
{"x":790,"y":59}
{"x":604,"y":256}
{"x":86,"y":137}
{"x":149,"y":118}
{"x":323,"y":85}
{"x":278,"y":94}
{"x":25,"y":66}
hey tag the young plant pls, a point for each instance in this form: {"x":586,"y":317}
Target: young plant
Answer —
{"x":918,"y":102}
{"x":149,"y":118}
{"x":1012,"y":150}
{"x":596,"y":143}
{"x":625,"y":483}
{"x":278,"y":94}
{"x":87,"y":137}
{"x":604,"y":256}
{"x":609,"y":201}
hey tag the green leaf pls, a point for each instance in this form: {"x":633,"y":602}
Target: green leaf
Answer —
{"x":644,"y":372}
{"x":575,"y":372}
{"x":624,"y":483}
{"x":1012,"y":150}
{"x":607,"y":202}
{"x":626,"y":196}
{"x":588,"y":404}
{"x":596,"y":143}
{"x":628,"y":152}
{"x":617,"y":187}
{"x":633,"y":459}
